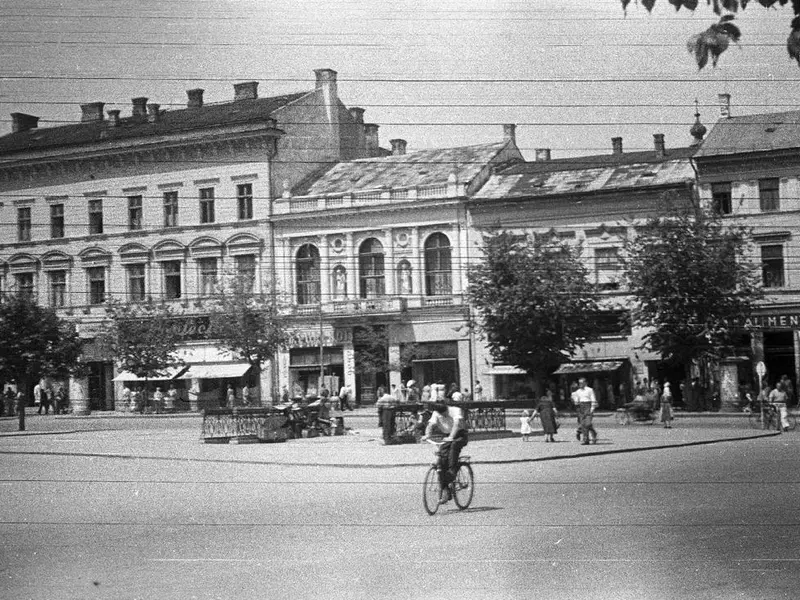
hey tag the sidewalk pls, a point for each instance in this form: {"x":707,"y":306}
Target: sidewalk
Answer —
{"x":170,"y":438}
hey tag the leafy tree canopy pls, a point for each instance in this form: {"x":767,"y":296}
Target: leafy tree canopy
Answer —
{"x":249,"y":324}
{"x":692,"y":281}
{"x":141,"y":337}
{"x":712,"y":42}
{"x":534,"y":301}
{"x":36,"y":342}
{"x":371,"y":344}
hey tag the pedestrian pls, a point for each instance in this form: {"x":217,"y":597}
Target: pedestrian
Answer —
{"x":59,"y":400}
{"x":666,"y":406}
{"x":324,"y":392}
{"x":466,"y":396}
{"x":230,"y":397}
{"x":134,"y":399}
{"x":586,"y":404}
{"x":425,"y":396}
{"x":37,"y":397}
{"x":413,"y":392}
{"x":477,"y":391}
{"x":48,"y":399}
{"x":9,"y":397}
{"x":344,"y":398}
{"x":456,"y":397}
{"x":696,"y":392}
{"x":158,"y":400}
{"x":285,"y":397}
{"x":778,"y":398}
{"x":171,"y":399}
{"x":788,"y":388}
{"x":386,"y":404}
{"x":547,"y":413}
{"x":525,"y":425}
{"x":245,"y":395}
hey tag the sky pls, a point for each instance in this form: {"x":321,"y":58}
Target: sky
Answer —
{"x":571,"y":74}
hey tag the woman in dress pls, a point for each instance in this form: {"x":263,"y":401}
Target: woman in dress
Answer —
{"x":547,"y":413}
{"x":666,"y":406}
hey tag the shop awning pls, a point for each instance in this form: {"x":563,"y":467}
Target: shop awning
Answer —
{"x":588,"y":367}
{"x":220,"y":371}
{"x":169,"y":373}
{"x":506,"y":370}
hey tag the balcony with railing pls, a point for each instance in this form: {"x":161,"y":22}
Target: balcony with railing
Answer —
{"x":385,"y":305}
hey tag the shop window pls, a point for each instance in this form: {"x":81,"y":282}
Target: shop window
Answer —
{"x":58,"y":288}
{"x":721,"y":200}
{"x":136,"y":282}
{"x":308,"y":274}
{"x":769,"y":194}
{"x":772,"y":266}
{"x":371,"y":269}
{"x":172,"y":279}
{"x":171,"y":209}
{"x":97,"y":284}
{"x":24,"y":224}
{"x":244,"y":199}
{"x":208,"y":275}
{"x":438,"y":266}
{"x":95,"y":217}
{"x":56,"y":221}
{"x":134,"y":213}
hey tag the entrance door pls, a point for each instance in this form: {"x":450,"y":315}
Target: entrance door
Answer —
{"x":779,"y":356}
{"x":97,"y":385}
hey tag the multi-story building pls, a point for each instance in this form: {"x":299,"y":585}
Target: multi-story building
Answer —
{"x":382,"y":243}
{"x":595,"y":203}
{"x":159,"y":203}
{"x":749,"y":172}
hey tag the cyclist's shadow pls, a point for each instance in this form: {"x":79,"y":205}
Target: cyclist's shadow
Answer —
{"x":472,"y":509}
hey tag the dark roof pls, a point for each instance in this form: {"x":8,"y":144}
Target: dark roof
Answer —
{"x":425,"y":167}
{"x":753,"y":133}
{"x":589,"y":174}
{"x":170,"y":121}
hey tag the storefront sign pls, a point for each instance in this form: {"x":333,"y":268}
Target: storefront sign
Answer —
{"x":311,"y":339}
{"x":785,"y":321}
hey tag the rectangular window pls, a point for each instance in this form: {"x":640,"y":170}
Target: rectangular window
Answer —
{"x":170,"y":209}
{"x":246,"y":269}
{"x":772,"y":266}
{"x":95,"y":217}
{"x":607,"y":267}
{"x":24,"y":224}
{"x":721,"y":201}
{"x":208,"y":276}
{"x":244,"y":197}
{"x":136,"y":287}
{"x":56,"y":220}
{"x":24,"y":284}
{"x":207,"y":205}
{"x":134,"y":212}
{"x":58,"y":288}
{"x":769,"y":194}
{"x":615,"y":323}
{"x":97,"y":284}
{"x":172,"y":279}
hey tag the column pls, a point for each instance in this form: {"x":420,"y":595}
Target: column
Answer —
{"x":456,"y":244}
{"x":79,"y":395}
{"x":324,"y":270}
{"x":265,"y":388}
{"x":194,"y":395}
{"x":394,"y":360}
{"x":184,"y":280}
{"x":389,"y":266}
{"x":417,"y":266}
{"x":351,"y":260}
{"x":287,"y":274}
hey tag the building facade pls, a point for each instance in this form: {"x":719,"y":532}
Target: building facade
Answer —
{"x":159,"y":204}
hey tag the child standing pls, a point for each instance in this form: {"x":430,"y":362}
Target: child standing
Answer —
{"x":525,"y":425}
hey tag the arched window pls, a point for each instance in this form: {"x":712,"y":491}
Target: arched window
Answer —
{"x":438,"y":266}
{"x":370,"y":267}
{"x":404,"y":286}
{"x":307,"y":274}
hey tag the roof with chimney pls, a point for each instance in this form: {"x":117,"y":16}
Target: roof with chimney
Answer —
{"x":586,"y":174}
{"x":169,"y":122}
{"x":421,"y":168}
{"x":753,"y":133}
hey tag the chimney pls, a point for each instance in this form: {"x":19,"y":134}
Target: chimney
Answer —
{"x":195,"y":98}
{"x":93,"y":111}
{"x":113,"y":117}
{"x":510,"y":133}
{"x":152,"y":113}
{"x":616,"y":145}
{"x":22,"y":122}
{"x":357,"y":114}
{"x":139,"y":107}
{"x":326,"y":81}
{"x":247,"y":90}
{"x":372,"y":145}
{"x":398,"y":147}
{"x":542,"y":154}
{"x":658,"y":139}
{"x":724,"y":105}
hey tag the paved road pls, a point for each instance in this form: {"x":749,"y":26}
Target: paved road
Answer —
{"x":149,"y":512}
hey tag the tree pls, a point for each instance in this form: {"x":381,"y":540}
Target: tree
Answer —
{"x":692,"y":282}
{"x":534,"y":301}
{"x":142,"y":339}
{"x":371,"y":344}
{"x":36,"y":344}
{"x":249,"y":324}
{"x":715,"y":40}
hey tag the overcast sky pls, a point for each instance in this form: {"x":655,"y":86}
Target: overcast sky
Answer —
{"x":571,"y":73}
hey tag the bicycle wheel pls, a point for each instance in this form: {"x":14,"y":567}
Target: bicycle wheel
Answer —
{"x":792,"y":421}
{"x":463,"y":486}
{"x":756,"y":422}
{"x":430,"y":491}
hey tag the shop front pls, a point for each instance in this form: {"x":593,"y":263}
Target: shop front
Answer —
{"x":608,"y":378}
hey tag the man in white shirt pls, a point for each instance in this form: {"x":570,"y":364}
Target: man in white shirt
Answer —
{"x":585,"y":402}
{"x":450,"y":421}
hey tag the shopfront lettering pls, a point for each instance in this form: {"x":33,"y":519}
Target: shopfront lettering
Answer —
{"x":309,"y":339}
{"x":785,"y":321}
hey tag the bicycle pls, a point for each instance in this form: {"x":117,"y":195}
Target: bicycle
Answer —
{"x":462,"y":488}
{"x":770,"y":418}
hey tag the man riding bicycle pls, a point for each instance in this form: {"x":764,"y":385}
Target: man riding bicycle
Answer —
{"x":450,"y":421}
